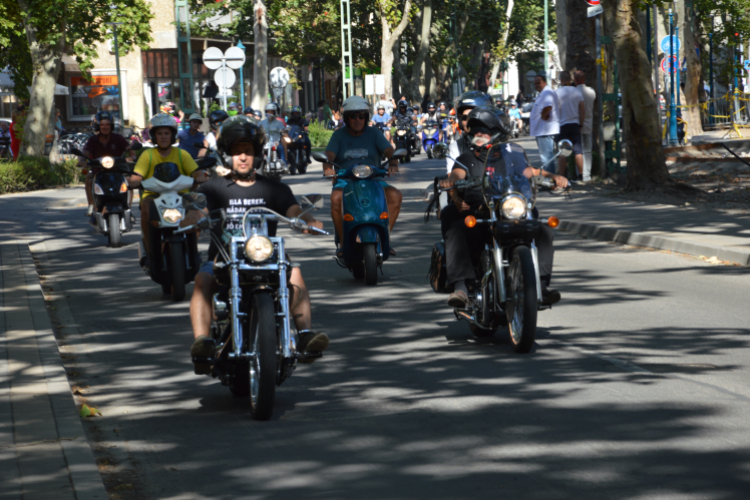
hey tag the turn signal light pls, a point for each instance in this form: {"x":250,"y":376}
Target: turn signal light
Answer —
{"x":348,"y":217}
{"x":553,"y":222}
{"x":470,"y":221}
{"x":123,"y":188}
{"x":384,"y":215}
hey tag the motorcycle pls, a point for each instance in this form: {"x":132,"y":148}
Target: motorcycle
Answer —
{"x":403,"y":141}
{"x":508,"y":288}
{"x":295,"y":148}
{"x":174,"y":260}
{"x":274,"y":167}
{"x":430,"y":136}
{"x":112,"y":215}
{"x":252,"y":335}
{"x":366,"y":239}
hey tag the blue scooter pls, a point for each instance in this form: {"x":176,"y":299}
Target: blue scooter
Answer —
{"x":366,"y":240}
{"x":430,"y":136}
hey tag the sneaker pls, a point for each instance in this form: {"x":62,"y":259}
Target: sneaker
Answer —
{"x":550,"y":296}
{"x":311,"y":342}
{"x":203,"y":347}
{"x":392,"y":252}
{"x":90,"y":211}
{"x":458,"y":299}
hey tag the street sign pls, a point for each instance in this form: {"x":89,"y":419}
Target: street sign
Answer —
{"x":668,"y":64}
{"x":212,"y":57}
{"x":746,"y":65}
{"x":369,"y":84}
{"x":379,"y":84}
{"x":235,"y":57}
{"x":593,"y":2}
{"x":279,"y":77}
{"x":594,"y":10}
{"x":530,"y":75}
{"x":225,"y":78}
{"x":665,"y":44}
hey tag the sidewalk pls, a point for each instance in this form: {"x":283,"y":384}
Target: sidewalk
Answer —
{"x":44,"y":453}
{"x":664,"y":227}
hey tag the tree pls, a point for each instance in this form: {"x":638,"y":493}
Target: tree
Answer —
{"x":260,"y":61}
{"x":51,"y":29}
{"x":413,"y":84}
{"x":393,"y":20}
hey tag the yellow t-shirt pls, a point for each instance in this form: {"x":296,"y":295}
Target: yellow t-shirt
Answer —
{"x":149,"y":159}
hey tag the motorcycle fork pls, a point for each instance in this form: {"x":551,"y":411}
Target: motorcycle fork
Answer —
{"x":497,"y":254}
{"x":535,"y":258}
{"x":287,"y":343}
{"x":235,"y":296}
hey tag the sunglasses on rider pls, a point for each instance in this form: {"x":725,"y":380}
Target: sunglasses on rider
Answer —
{"x":357,"y":116}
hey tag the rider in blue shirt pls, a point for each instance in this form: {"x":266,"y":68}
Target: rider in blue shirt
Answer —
{"x":515,"y":114}
{"x":382,"y":120}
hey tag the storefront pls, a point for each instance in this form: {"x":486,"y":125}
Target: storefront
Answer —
{"x":101,"y":93}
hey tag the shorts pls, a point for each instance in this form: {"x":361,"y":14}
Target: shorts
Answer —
{"x":572,"y":132}
{"x":341,"y":183}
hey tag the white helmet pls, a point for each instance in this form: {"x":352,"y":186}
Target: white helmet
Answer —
{"x":195,"y":116}
{"x":163,"y":120}
{"x":353,"y":104}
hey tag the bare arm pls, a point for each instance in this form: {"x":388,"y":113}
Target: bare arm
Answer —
{"x":296,"y":210}
{"x":546,"y":113}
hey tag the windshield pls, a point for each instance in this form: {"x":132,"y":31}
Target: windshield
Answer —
{"x":504,"y":165}
{"x":166,"y":172}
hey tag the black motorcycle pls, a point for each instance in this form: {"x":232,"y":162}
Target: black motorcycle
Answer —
{"x":403,"y":140}
{"x":112,"y":215}
{"x":295,"y":149}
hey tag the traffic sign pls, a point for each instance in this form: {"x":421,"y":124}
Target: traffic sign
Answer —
{"x":665,"y":44}
{"x":225,"y":78}
{"x":212,"y":57}
{"x":746,"y":64}
{"x":235,"y":57}
{"x":668,"y":64}
{"x":594,"y":10}
{"x":530,"y":75}
{"x":279,"y":77}
{"x":593,"y":2}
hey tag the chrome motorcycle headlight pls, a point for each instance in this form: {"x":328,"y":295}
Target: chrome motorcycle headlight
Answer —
{"x":172,"y":215}
{"x":107,"y":162}
{"x":401,"y":132}
{"x":513,"y":207}
{"x":362,"y":171}
{"x":258,"y":248}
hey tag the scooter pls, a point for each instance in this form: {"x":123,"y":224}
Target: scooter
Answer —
{"x":111,"y":212}
{"x":295,"y":148}
{"x":430,"y":136}
{"x":402,"y":140}
{"x":365,"y":241}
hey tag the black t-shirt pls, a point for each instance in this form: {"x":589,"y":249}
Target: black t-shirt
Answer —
{"x":473,"y":196}
{"x":402,"y":118}
{"x":222,"y":192}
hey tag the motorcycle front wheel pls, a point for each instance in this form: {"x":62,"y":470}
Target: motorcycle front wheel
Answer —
{"x":115,"y":237}
{"x":522,"y":300}
{"x":262,"y":339}
{"x":371,"y":264}
{"x":177,"y":261}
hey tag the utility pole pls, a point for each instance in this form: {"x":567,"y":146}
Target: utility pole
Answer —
{"x":347,"y":63}
{"x":184,"y":55}
{"x":119,"y":82}
{"x":546,"y":30}
{"x":672,"y":108}
{"x":260,"y":61}
{"x":241,"y":46}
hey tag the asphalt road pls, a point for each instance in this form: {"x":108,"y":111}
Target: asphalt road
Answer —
{"x":638,"y":387}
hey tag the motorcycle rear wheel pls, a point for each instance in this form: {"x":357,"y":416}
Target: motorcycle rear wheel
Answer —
{"x":522,"y":300}
{"x":177,"y":261}
{"x":262,"y":338}
{"x":371,"y":264}
{"x":115,"y":237}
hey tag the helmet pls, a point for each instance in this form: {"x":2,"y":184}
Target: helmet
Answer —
{"x":257,"y":114}
{"x":296,"y":109}
{"x":472,"y":99}
{"x":272,"y":106}
{"x":380,"y":106}
{"x":163,"y":120}
{"x":239,"y":128}
{"x":442,"y":103}
{"x":512,"y":102}
{"x":353,"y":104}
{"x":402,"y":104}
{"x":248,"y":111}
{"x":431,"y":105}
{"x":195,"y":116}
{"x":216,"y":117}
{"x":233,"y":105}
{"x":102,"y":115}
{"x":489,"y":118}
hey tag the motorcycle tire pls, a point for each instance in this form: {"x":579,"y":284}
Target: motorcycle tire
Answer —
{"x":302,"y":170}
{"x":358,"y":270}
{"x":522,"y":304}
{"x":262,"y":366}
{"x":292,"y":170}
{"x":407,"y":158}
{"x":429,"y":153}
{"x":371,"y":264}
{"x":115,"y":236}
{"x":177,"y":263}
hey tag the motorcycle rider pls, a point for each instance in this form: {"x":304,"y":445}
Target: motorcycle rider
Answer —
{"x":359,"y":143}
{"x":402,"y":116}
{"x":248,"y":112}
{"x":468,"y":101}
{"x":384,"y":118}
{"x":241,"y":143}
{"x":215,"y":119}
{"x":433,"y":114}
{"x":515,"y":114}
{"x":487,"y":126}
{"x":273,"y":126}
{"x":297,"y":119}
{"x":164,"y":133}
{"x":188,"y":137}
{"x":105,"y":143}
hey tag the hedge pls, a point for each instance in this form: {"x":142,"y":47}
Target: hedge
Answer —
{"x":31,"y":172}
{"x":319,"y":135}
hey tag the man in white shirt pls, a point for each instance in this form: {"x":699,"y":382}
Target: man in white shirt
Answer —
{"x":544,"y":121}
{"x":388,"y":105}
{"x":572,"y":115}
{"x":589,"y":97}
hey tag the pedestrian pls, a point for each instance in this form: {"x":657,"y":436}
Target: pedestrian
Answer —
{"x":589,"y":97}
{"x":544,"y":121}
{"x":572,"y":114}
{"x":388,"y":105}
{"x":321,"y":114}
{"x":328,"y":115}
{"x":16,"y":130}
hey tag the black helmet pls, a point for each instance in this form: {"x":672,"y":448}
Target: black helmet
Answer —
{"x":239,"y":128}
{"x":217,"y":117}
{"x":491,"y":120}
{"x":442,"y":103}
{"x":248,"y":111}
{"x":102,"y":115}
{"x":472,"y":99}
{"x":431,"y":105}
{"x":402,"y":104}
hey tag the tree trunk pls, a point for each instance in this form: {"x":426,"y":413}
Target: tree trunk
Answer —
{"x":260,"y":62}
{"x":693,"y":86}
{"x":581,"y":43}
{"x":47,"y":60}
{"x":389,"y":39}
{"x":414,"y":86}
{"x":647,"y":167}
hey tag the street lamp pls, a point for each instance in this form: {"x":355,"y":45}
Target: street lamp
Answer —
{"x":242,"y":78}
{"x":117,"y":63}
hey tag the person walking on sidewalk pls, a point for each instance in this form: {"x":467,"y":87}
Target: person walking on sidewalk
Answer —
{"x":589,"y":96}
{"x":572,"y":114}
{"x":545,"y":124}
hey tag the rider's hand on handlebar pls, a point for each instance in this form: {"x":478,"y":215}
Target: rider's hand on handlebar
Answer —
{"x":560,"y":181}
{"x":446,"y":183}
{"x":201,"y":177}
{"x":392,"y":170}
{"x":461,"y":205}
{"x":328,"y":171}
{"x":316,"y":224}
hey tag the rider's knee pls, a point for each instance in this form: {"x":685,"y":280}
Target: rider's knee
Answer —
{"x":204,"y":283}
{"x":336,"y":196}
{"x":394,"y":195}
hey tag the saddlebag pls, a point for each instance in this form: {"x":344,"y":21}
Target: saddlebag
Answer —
{"x":438,"y":273}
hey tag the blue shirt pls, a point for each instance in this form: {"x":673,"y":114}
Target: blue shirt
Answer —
{"x":366,"y":148}
{"x":186,"y":141}
{"x":381,"y":119}
{"x":514,"y":113}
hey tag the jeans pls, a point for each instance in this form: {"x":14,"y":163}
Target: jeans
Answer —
{"x":546,"y":145}
{"x":587,"y":141}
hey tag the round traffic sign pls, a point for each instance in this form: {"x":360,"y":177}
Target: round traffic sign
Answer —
{"x":665,"y":44}
{"x":225,"y":78}
{"x":530,"y":75}
{"x":593,"y":3}
{"x":668,"y":64}
{"x":279,"y":77}
{"x":212,"y":57}
{"x":235,"y":57}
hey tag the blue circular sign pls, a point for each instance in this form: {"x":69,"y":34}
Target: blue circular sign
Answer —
{"x":665,"y":44}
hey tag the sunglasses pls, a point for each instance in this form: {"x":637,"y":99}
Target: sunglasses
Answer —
{"x":357,"y":116}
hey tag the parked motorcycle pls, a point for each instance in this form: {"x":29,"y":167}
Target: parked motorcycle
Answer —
{"x":366,"y":239}
{"x":508,"y":289}
{"x":112,"y":215}
{"x":295,"y":149}
{"x":430,"y":136}
{"x":252,"y":333}
{"x":403,"y":141}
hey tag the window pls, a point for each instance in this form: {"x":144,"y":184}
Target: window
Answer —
{"x":100,"y":94}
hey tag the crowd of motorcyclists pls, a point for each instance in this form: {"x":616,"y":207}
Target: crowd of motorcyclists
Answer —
{"x":468,"y":131}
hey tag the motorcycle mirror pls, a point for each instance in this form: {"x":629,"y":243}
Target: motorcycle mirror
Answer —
{"x":318,"y":156}
{"x":566,"y":147}
{"x":207,"y":162}
{"x":440,"y":150}
{"x":136,"y":146}
{"x":400,"y":153}
{"x":76,"y":151}
{"x":194,"y":201}
{"x":311,"y":201}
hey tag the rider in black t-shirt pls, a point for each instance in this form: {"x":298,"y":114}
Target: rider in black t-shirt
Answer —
{"x":243,"y":140}
{"x":296,"y":118}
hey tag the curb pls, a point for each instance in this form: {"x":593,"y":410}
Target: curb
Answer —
{"x":84,"y":473}
{"x":623,"y":236}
